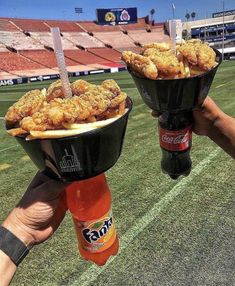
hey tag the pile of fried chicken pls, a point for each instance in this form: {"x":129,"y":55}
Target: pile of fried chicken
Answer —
{"x":49,"y":110}
{"x":159,"y":60}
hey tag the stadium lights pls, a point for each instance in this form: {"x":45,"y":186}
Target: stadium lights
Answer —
{"x":78,"y":10}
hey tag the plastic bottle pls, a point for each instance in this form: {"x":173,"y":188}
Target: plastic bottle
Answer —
{"x":175,"y":136}
{"x":89,"y":202}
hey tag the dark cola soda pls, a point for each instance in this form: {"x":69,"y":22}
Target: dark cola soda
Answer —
{"x":175,"y":136}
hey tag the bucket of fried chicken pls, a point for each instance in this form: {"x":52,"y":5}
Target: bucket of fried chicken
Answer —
{"x":173,"y":80}
{"x":71,"y":138}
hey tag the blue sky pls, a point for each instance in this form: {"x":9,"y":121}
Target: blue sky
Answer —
{"x":64,"y":9}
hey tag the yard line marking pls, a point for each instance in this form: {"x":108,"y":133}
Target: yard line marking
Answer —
{"x":94,"y":271}
{"x":2,"y":118}
{"x":139,"y":115}
{"x":13,"y":100}
{"x":9,"y":148}
{"x":226,"y":83}
{"x":129,"y":88}
{"x":4,"y":166}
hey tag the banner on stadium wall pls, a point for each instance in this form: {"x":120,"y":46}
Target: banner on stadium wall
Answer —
{"x":116,"y":16}
{"x":225,"y":13}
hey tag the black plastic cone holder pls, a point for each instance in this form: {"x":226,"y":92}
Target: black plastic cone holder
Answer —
{"x":175,"y":95}
{"x":81,"y":156}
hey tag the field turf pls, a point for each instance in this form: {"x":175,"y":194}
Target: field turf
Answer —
{"x":172,"y":233}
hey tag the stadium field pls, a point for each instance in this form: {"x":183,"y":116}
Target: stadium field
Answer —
{"x":171,"y":232}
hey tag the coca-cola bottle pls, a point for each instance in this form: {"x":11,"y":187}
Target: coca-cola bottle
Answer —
{"x":175,"y":136}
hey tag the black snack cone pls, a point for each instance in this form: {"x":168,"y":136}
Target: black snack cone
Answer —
{"x":81,"y":156}
{"x":175,"y":95}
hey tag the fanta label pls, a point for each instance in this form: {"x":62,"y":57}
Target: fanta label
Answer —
{"x":98,"y":235}
{"x":177,"y":140}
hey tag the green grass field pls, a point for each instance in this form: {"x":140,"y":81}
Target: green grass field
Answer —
{"x":171,"y":232}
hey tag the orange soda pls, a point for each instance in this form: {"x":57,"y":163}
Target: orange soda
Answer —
{"x":89,"y":202}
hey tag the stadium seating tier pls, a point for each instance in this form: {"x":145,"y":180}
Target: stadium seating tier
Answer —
{"x":115,"y":39}
{"x":31,"y":25}
{"x":18,"y":41}
{"x":6,"y":25}
{"x":65,"y":26}
{"x":93,"y":27}
{"x":13,"y":62}
{"x":46,"y":58}
{"x":83,"y":39}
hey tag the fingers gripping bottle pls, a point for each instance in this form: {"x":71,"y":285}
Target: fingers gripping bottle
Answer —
{"x":89,"y":202}
{"x":175,"y":137}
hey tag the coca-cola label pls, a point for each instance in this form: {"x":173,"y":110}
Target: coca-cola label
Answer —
{"x":175,"y":140}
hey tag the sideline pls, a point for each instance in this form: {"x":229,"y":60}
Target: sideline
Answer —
{"x":94,"y":271}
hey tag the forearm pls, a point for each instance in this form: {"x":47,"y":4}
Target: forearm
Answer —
{"x":223,"y":133}
{"x":7,"y":269}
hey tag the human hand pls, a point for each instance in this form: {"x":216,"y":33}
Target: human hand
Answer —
{"x":205,"y":117}
{"x":40,"y":211}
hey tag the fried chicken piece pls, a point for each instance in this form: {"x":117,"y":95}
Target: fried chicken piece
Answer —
{"x":80,"y":86}
{"x":27,"y":105}
{"x":161,"y":47}
{"x":166,"y":61}
{"x":140,"y":64}
{"x":111,"y":85}
{"x":55,"y":90}
{"x":198,"y":54}
{"x":72,"y":110}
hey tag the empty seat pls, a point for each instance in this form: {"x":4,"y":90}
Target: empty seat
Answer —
{"x":3,"y":48}
{"x":19,"y":41}
{"x":107,"y":54}
{"x":46,"y":58}
{"x":65,"y":26}
{"x":93,"y":27}
{"x":83,"y":39}
{"x":140,"y":25}
{"x":45,"y":38}
{"x":144,"y":37}
{"x":13,"y":62}
{"x":6,"y":25}
{"x":31,"y":25}
{"x":115,"y":39}
{"x":84,"y":57}
{"x":136,"y":49}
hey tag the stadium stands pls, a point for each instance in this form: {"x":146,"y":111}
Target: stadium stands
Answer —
{"x":82,"y":39}
{"x":6,"y":75}
{"x":28,"y":25}
{"x":45,"y":58}
{"x":115,"y":39}
{"x":46,"y":39}
{"x":89,"y":59}
{"x":144,"y":37}
{"x":18,"y":41}
{"x":87,"y":45}
{"x":14,"y":62}
{"x":43,"y":37}
{"x":6,"y":25}
{"x":140,"y":25}
{"x":65,"y":26}
{"x":106,"y":54}
{"x":3,"y":48}
{"x":93,"y":27}
{"x":133,"y":49}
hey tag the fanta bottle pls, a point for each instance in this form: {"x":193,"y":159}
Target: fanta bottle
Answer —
{"x":89,"y":202}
